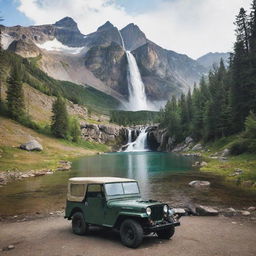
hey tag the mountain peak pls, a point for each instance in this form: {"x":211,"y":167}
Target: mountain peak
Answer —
{"x":67,"y":22}
{"x":133,"y":36}
{"x":106,"y":26}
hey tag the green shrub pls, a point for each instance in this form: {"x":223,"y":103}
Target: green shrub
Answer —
{"x":239,"y":147}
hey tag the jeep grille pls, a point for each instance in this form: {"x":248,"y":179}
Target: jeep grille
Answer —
{"x":157,"y":212}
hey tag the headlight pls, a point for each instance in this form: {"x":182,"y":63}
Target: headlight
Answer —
{"x":166,"y":208}
{"x":148,"y":211}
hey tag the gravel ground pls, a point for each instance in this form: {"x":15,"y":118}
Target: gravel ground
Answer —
{"x":197,"y":236}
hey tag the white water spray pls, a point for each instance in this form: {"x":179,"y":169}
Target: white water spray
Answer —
{"x":137,"y":95}
{"x":140,"y":144}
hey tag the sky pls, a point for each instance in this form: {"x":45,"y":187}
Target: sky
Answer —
{"x":192,"y":27}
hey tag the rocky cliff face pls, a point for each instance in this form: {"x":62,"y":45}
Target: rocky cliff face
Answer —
{"x":166,"y":72}
{"x":108,"y":63}
{"x":210,"y":59}
{"x":133,"y":37}
{"x":98,"y":59}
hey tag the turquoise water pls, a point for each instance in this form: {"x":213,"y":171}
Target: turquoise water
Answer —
{"x":161,"y":176}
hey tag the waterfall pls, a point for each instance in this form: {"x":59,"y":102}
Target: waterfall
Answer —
{"x":129,"y":136}
{"x":140,"y":144}
{"x":137,"y":95}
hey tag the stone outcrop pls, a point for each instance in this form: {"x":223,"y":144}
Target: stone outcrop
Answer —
{"x":110,"y":134}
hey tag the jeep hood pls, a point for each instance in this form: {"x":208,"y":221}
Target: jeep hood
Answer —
{"x":132,"y":203}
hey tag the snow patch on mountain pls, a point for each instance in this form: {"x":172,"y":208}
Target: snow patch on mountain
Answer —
{"x":55,"y":45}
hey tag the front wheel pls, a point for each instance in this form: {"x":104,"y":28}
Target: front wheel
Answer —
{"x":131,"y":233}
{"x":166,"y":233}
{"x":79,"y":226}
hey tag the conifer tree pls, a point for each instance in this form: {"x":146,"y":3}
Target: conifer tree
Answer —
{"x":15,"y":95}
{"x":59,"y":124}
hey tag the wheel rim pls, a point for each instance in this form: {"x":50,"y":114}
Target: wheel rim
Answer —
{"x":129,"y":233}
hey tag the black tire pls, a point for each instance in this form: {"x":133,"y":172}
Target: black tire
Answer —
{"x":79,"y":226}
{"x":166,"y":233}
{"x":131,"y":233}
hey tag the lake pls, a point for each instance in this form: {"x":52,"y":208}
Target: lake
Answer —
{"x":161,"y":176}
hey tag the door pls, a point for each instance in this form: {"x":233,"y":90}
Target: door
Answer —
{"x":95,"y":204}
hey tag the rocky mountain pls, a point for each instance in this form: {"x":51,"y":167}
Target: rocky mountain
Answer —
{"x":99,"y":60}
{"x":213,"y":58}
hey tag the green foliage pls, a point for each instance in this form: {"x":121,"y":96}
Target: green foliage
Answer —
{"x":85,"y":95}
{"x":74,"y":130}
{"x":60,"y":124}
{"x":133,"y":118}
{"x":220,"y":105}
{"x":15,"y":95}
{"x":239,"y":147}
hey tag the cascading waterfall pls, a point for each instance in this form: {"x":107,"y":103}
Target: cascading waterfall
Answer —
{"x":137,"y":95}
{"x":140,"y":144}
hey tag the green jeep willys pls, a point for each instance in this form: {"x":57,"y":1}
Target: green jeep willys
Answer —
{"x":116,"y":203}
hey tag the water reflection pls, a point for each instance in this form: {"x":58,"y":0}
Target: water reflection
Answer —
{"x":161,"y":176}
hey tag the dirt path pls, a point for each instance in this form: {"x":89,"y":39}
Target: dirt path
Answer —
{"x":197,"y":236}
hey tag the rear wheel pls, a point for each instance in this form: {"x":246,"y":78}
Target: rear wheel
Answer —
{"x":166,"y":233}
{"x":131,"y":233}
{"x":79,"y":226}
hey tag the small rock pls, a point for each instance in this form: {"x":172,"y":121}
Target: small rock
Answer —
{"x":196,"y":164}
{"x":203,"y":164}
{"x":206,"y":211}
{"x":51,"y":213}
{"x":245,"y":213}
{"x":252,"y":209}
{"x":229,"y":212}
{"x":238,"y":171}
{"x":179,"y":211}
{"x":233,"y":222}
{"x":199,"y":183}
{"x":247,"y":183}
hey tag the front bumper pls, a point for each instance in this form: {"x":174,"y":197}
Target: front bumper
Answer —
{"x":161,"y":226}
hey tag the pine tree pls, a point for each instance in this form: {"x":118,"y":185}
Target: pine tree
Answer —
{"x":60,"y":126}
{"x":74,"y":130}
{"x":15,"y":95}
{"x":242,"y":29}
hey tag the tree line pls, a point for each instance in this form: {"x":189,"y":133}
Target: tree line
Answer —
{"x":62,"y":125}
{"x":224,"y":102}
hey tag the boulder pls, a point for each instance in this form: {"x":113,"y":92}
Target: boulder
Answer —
{"x":197,"y":147}
{"x":245,"y":213}
{"x":32,"y":145}
{"x":206,"y":211}
{"x":199,"y":184}
{"x":252,"y":209}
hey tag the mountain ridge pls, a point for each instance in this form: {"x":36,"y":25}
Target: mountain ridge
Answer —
{"x":99,"y":59}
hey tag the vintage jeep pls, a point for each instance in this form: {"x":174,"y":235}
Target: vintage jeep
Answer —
{"x":116,"y":203}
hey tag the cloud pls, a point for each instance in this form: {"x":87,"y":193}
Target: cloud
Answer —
{"x":193,"y":27}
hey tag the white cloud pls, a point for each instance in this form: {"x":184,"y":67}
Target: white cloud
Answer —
{"x":193,"y":27}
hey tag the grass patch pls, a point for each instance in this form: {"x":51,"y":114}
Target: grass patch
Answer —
{"x":12,"y":134}
{"x":245,"y":162}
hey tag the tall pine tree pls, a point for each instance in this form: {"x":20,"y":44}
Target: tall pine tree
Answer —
{"x":60,"y":126}
{"x":15,"y":95}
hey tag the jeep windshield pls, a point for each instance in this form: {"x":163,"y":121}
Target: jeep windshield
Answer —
{"x":122,"y":188}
